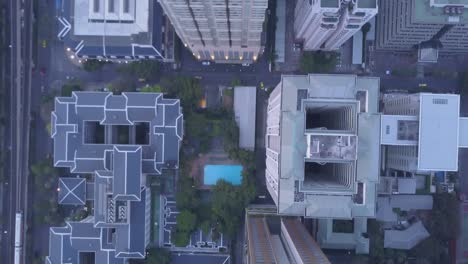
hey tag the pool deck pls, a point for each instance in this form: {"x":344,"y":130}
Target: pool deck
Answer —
{"x":214,"y":157}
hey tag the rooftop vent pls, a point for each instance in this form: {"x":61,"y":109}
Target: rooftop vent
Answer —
{"x":453,"y":10}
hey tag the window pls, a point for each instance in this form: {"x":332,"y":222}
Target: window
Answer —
{"x":126,"y":6}
{"x":387,"y":130}
{"x":96,"y":6}
{"x":439,"y":101}
{"x":111,"y":6}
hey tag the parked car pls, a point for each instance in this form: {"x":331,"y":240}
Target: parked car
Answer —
{"x":206,"y":63}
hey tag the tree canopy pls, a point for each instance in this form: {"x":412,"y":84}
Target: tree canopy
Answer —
{"x":143,"y":69}
{"x":186,"y":221}
{"x":91,"y":65}
{"x":317,"y":62}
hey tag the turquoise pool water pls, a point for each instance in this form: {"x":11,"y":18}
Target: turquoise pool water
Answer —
{"x":229,"y":173}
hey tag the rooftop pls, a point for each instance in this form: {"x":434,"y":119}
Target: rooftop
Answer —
{"x":245,"y":110}
{"x":439,"y":115}
{"x":112,"y":29}
{"x":118,"y":227}
{"x":366,"y":3}
{"x":72,"y":191}
{"x":440,"y":11}
{"x":75,"y":119}
{"x":307,"y":104}
{"x":405,"y":239}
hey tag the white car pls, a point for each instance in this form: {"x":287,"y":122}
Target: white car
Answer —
{"x":246,"y":64}
{"x":206,"y":63}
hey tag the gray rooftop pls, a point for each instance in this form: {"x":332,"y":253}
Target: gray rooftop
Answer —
{"x":72,"y":191}
{"x":411,"y":202}
{"x":405,"y":239}
{"x":118,"y":228}
{"x":71,"y":114}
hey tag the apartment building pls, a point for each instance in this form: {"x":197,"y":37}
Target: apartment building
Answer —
{"x":323,"y":146}
{"x":115,"y":29}
{"x":275,"y":240}
{"x":403,"y":25}
{"x":327,"y":24}
{"x":422,"y":132}
{"x":218,"y":30}
{"x":116,"y":141}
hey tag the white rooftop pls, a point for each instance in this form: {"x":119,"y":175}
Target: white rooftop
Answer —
{"x":111,"y":18}
{"x":438,"y":132}
{"x":244,"y":108}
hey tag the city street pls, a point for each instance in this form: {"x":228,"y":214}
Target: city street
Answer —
{"x":17,"y":136}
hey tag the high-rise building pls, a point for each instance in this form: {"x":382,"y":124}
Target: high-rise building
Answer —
{"x":417,"y":128}
{"x":219,"y":30}
{"x":290,"y":243}
{"x":327,"y":24}
{"x":323,"y":146}
{"x":405,"y":24}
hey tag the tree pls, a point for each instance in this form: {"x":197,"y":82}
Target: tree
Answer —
{"x":91,"y":65}
{"x":69,"y":87}
{"x":317,"y":62}
{"x":445,"y":220}
{"x":158,"y":256}
{"x":186,"y":196}
{"x":121,"y":85}
{"x":180,"y":239}
{"x":366,"y":28}
{"x":430,"y":250}
{"x":152,"y":89}
{"x":186,"y":221}
{"x":142,"y":69}
{"x":228,"y":205}
{"x":187,"y":89}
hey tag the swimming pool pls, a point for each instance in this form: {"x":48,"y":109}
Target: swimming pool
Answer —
{"x":229,"y":173}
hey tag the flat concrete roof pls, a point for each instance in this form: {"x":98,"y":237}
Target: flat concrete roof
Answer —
{"x":92,"y":30}
{"x":245,"y":102}
{"x":405,"y":239}
{"x":423,"y":12}
{"x":292,"y":198}
{"x":463,"y":132}
{"x":439,"y":118}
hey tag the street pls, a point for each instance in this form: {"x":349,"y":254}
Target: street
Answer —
{"x":18,"y":113}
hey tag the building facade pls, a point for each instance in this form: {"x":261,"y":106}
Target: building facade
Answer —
{"x":316,"y":162}
{"x":290,"y":243}
{"x":117,"y":141}
{"x":115,"y":30}
{"x":219,"y":30}
{"x":327,"y":24}
{"x":403,"y":25}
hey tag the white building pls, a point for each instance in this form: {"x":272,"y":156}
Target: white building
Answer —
{"x":423,"y":132}
{"x":327,"y":24}
{"x":323,"y":146}
{"x":219,"y":30}
{"x":245,"y":102}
